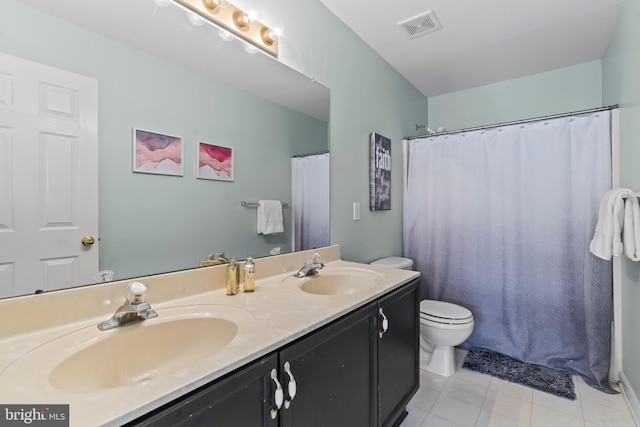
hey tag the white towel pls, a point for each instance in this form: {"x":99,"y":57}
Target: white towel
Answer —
{"x":607,"y":239}
{"x":270,"y":217}
{"x":631,"y":229}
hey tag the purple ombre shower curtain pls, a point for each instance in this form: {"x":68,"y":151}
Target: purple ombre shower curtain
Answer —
{"x":311,"y":201}
{"x":499,"y":221}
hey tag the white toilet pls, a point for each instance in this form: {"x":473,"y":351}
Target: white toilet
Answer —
{"x":442,"y":327}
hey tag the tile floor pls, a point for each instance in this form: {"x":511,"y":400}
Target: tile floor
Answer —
{"x":471,"y":399}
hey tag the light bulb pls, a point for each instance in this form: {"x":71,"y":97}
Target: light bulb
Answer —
{"x":241,"y":19}
{"x":213,"y":5}
{"x":195,"y":19}
{"x":268,"y":36}
{"x":251,"y":49}
{"x":254,"y":16}
{"x":225,"y":35}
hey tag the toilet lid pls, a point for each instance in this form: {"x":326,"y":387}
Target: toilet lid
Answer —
{"x":425,"y":318}
{"x":394,"y":262}
{"x":443,"y":310}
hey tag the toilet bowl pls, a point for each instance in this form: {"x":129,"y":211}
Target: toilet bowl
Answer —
{"x":442,"y":327}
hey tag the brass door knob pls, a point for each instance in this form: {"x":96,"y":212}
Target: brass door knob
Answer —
{"x":88,"y":240}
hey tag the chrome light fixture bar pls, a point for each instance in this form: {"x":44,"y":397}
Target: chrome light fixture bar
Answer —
{"x":236,"y":21}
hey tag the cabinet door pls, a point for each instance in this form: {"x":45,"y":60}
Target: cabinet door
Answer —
{"x":334,"y":372}
{"x":242,"y":399}
{"x":398,"y":353}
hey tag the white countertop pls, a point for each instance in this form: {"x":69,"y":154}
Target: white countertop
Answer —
{"x":275,"y":314}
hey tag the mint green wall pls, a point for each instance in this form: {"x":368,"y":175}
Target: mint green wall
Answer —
{"x":152,"y":223}
{"x":621,"y":85}
{"x":559,"y":91}
{"x":367,"y":95}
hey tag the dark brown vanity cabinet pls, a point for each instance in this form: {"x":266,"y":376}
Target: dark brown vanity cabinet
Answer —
{"x":359,"y":370}
{"x":244,"y":398}
{"x":398,"y":353}
{"x":334,"y":371}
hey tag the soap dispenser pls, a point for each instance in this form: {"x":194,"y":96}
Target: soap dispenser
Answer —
{"x":233,"y":277}
{"x":249,"y":275}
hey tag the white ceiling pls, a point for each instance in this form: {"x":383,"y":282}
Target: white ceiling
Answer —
{"x":481,"y":42}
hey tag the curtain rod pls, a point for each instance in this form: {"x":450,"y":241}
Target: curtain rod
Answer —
{"x":516,"y":122}
{"x":319,"y":153}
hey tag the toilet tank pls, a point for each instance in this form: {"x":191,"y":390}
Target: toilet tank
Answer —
{"x":395,"y":262}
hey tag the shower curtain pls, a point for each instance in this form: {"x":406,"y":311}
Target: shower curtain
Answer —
{"x":499,"y":221}
{"x":311,"y":201}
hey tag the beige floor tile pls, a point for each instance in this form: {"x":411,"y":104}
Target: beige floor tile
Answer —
{"x":515,"y":390}
{"x":433,"y":420}
{"x":494,"y":419}
{"x":424,"y":398}
{"x":507,"y":405}
{"x":469,"y":398}
{"x":463,"y":390}
{"x":433,"y":381}
{"x":606,"y":415}
{"x":473,"y":377}
{"x":456,"y":410}
{"x":415,"y":417}
{"x":590,"y":394}
{"x":545,"y":417}
{"x":560,"y":404}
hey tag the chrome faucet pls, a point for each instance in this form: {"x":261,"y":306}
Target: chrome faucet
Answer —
{"x":134,"y":309}
{"x":311,"y":267}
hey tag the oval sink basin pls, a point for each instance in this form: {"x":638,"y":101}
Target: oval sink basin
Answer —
{"x":184,"y":340}
{"x":340,"y":281}
{"x":139,"y":352}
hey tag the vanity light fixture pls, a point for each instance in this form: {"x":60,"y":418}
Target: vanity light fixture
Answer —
{"x":244,"y":25}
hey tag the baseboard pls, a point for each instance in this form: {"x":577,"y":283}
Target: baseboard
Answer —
{"x":630,"y":397}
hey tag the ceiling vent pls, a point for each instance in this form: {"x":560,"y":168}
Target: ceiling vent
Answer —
{"x":421,"y":24}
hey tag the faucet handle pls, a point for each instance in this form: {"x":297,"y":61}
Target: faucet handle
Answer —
{"x":137,"y":292}
{"x":315,"y":258}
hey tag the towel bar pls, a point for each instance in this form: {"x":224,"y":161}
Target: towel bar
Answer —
{"x":255,"y":204}
{"x":631,"y":195}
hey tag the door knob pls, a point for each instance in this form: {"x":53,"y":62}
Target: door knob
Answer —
{"x":88,"y":240}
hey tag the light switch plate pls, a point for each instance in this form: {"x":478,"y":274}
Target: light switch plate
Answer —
{"x":356,"y":211}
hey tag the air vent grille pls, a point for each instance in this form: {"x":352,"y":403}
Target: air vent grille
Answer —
{"x":421,"y":24}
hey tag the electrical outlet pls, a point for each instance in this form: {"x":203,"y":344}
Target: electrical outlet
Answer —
{"x":356,"y":211}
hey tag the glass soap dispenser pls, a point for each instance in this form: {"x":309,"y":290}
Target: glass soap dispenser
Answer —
{"x":233,"y":277}
{"x":249,"y":275}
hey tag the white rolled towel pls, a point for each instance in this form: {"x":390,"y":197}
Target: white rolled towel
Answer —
{"x":607,"y":239}
{"x":631,"y":229}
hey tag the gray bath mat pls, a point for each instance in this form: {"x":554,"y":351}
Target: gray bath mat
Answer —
{"x":509,"y":369}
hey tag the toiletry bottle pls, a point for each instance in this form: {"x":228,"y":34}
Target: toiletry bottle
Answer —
{"x":233,"y":277}
{"x":249,"y":275}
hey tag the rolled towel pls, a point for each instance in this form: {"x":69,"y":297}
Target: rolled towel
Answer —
{"x":607,"y":239}
{"x":270,"y":217}
{"x":631,"y":229}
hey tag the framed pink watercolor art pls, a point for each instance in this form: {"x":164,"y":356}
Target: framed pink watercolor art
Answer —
{"x":157,"y":153}
{"x":215,"y":162}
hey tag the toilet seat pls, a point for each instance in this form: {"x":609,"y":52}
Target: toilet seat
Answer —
{"x":444,"y":313}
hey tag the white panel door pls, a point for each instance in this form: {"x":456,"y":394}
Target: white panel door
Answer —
{"x":48,"y":177}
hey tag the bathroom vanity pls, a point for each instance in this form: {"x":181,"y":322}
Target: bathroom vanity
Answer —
{"x":338,"y":349}
{"x":351,"y":372}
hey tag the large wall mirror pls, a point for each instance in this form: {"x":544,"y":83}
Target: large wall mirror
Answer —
{"x":156,"y":71}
